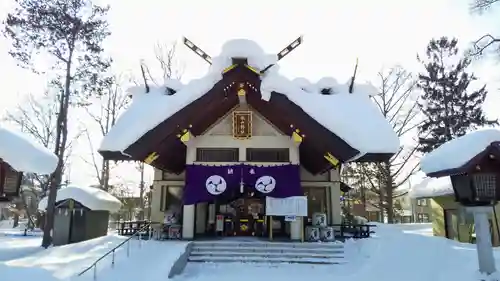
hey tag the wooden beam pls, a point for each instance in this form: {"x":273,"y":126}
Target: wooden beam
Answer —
{"x":290,"y":48}
{"x":197,"y":50}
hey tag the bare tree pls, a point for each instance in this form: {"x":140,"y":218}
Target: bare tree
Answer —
{"x":71,"y":34}
{"x":397,"y":102}
{"x":482,"y":5}
{"x":37,"y":116}
{"x":169,"y":67}
{"x":104,"y":112}
{"x":487,"y":40}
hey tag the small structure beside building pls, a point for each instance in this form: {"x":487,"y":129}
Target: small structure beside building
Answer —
{"x":20,"y":154}
{"x":82,"y":213}
{"x":449,"y":219}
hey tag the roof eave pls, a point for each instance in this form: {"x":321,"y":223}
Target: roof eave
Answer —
{"x":492,"y":149}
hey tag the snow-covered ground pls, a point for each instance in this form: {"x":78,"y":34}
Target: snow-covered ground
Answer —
{"x":396,"y":252}
{"x":65,"y":262}
{"x":416,"y":228}
{"x":13,"y":247}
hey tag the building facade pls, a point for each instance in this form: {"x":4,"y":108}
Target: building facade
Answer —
{"x":245,"y":152}
{"x":267,"y":146}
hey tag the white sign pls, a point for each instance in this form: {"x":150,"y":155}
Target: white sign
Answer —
{"x":219,"y":226}
{"x":291,"y":206}
{"x":290,"y":218}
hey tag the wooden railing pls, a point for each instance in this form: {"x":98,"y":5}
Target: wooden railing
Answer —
{"x":354,"y":230}
{"x":146,"y":228}
{"x":128,"y":228}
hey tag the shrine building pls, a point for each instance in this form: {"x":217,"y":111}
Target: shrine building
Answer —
{"x":244,"y":151}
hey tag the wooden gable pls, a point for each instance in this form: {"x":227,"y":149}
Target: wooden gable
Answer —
{"x":167,"y":152}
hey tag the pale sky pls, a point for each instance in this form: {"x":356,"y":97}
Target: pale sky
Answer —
{"x":380,"y":33}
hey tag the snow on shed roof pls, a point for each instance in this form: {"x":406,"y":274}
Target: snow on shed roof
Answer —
{"x":352,"y":117}
{"x":24,"y":154}
{"x":431,"y":187}
{"x":459,"y":151}
{"x":93,"y":198}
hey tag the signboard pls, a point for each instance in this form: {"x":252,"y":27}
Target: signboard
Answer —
{"x":291,"y":206}
{"x":290,"y":218}
{"x":242,"y":124}
{"x":219,"y":225}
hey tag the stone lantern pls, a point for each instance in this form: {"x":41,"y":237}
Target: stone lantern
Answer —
{"x":476,"y":188}
{"x":476,"y":185}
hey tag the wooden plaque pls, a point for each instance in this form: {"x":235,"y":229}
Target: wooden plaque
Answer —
{"x":242,"y":124}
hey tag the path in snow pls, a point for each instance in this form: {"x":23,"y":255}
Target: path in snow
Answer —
{"x":18,"y":246}
{"x":253,"y":271}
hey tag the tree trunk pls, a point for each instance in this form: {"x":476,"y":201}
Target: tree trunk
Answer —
{"x":15,"y":223}
{"x":388,"y":188}
{"x":105,"y":175}
{"x":60,"y":145}
{"x":141,"y":193}
{"x":31,"y":224}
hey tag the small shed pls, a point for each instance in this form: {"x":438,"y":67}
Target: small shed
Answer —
{"x":18,"y":154}
{"x":82,"y":213}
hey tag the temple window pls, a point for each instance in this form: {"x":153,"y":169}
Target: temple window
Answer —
{"x":268,"y":154}
{"x":217,"y":154}
{"x":171,"y":198}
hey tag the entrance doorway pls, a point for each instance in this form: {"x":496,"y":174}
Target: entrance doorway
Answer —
{"x":243,"y":216}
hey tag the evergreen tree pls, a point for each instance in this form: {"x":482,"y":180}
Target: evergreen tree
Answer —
{"x":70,"y":33}
{"x":451,"y":109}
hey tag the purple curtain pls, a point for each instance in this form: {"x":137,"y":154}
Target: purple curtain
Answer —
{"x":204,"y":183}
{"x":279,"y":181}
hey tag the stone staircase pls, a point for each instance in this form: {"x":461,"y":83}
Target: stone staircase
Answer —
{"x":266,"y":252}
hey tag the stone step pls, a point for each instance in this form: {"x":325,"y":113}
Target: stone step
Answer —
{"x":264,"y":255}
{"x":224,"y":248}
{"x":303,"y":260}
{"x":261,"y":244}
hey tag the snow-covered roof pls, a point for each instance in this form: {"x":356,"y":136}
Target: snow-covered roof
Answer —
{"x":24,"y":154}
{"x":93,"y":198}
{"x":352,"y":117}
{"x":431,"y":187}
{"x":459,"y":151}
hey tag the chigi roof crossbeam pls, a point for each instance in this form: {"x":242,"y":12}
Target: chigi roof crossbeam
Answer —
{"x":292,"y":46}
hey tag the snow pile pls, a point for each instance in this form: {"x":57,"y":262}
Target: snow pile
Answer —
{"x":335,"y":87}
{"x":24,"y":154}
{"x":431,"y":187}
{"x":148,"y":110}
{"x":242,"y":48}
{"x":17,"y":247}
{"x":413,"y":257}
{"x":352,"y":117}
{"x":93,"y":198}
{"x":416,"y":228}
{"x":459,"y":151}
{"x":149,"y":260}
